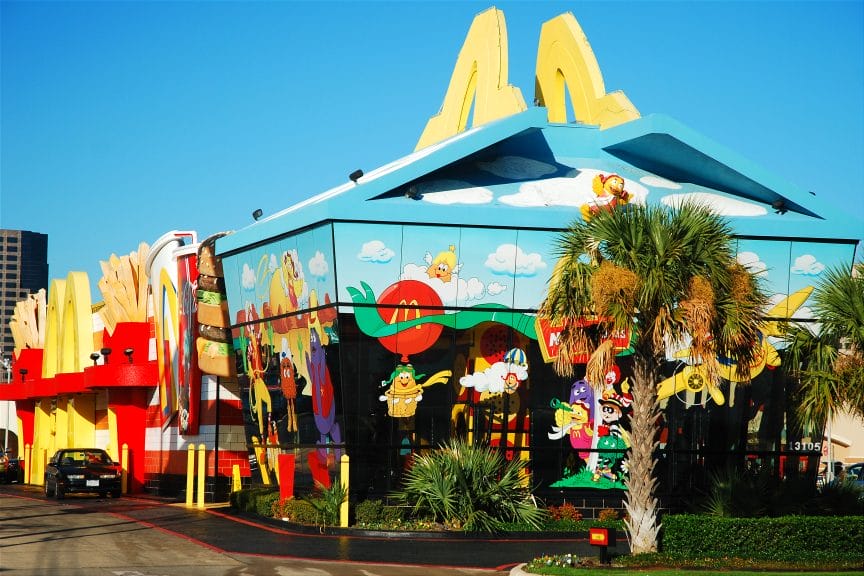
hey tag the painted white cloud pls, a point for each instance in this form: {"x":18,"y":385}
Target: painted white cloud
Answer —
{"x":716,"y":203}
{"x":751,"y":261}
{"x":495,"y":288}
{"x":375,"y":251}
{"x":658,"y":182}
{"x":492,"y":379}
{"x":318,"y":265}
{"x":509,"y":258}
{"x":807,"y":265}
{"x":453,"y":192}
{"x":449,"y":292}
{"x":574,"y":191}
{"x":517,"y":168}
{"x":247,"y":278}
{"x":272,"y":263}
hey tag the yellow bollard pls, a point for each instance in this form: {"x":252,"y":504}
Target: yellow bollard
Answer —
{"x":190,"y":474}
{"x":343,"y":476}
{"x":124,"y":464}
{"x":27,"y":464}
{"x":202,"y":473}
{"x":236,"y":483}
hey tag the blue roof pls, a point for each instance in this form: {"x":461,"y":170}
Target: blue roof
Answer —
{"x":523,"y":172}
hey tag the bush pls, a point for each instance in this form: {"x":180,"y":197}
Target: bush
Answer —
{"x":246,"y":500}
{"x":565,"y":511}
{"x":294,"y":510}
{"x":368,"y":512}
{"x":469,"y":487}
{"x":790,"y":538}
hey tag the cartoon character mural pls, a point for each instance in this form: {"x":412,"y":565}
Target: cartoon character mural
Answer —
{"x":444,"y":265}
{"x":260,"y":403}
{"x":492,"y":403}
{"x":288,"y":378}
{"x":323,"y":402}
{"x":405,"y":391}
{"x":575,"y":419}
{"x":605,"y":466}
{"x":693,"y":378}
{"x":610,"y":194}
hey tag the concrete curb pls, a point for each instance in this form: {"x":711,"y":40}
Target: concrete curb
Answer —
{"x":517,"y":571}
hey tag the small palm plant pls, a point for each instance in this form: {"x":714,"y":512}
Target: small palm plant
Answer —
{"x":327,"y":502}
{"x":471,"y":487}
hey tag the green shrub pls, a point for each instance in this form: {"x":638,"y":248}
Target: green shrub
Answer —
{"x":246,"y":500}
{"x":789,"y":538}
{"x":295,"y":510}
{"x":469,"y":487}
{"x":264,"y":503}
{"x":368,"y":512}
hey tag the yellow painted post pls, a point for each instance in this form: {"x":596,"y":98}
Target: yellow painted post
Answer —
{"x":343,"y":476}
{"x":124,"y":464}
{"x":202,"y":473}
{"x":236,"y":484}
{"x":26,"y":463}
{"x":190,"y":474}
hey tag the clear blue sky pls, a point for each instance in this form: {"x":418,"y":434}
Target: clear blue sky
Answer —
{"x":124,"y":120}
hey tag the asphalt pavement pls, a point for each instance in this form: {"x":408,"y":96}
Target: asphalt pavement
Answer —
{"x":265,"y":543}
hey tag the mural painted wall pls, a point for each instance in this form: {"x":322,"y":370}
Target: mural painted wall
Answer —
{"x":444,"y":320}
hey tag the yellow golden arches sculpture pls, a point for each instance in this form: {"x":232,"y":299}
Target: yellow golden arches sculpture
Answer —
{"x":565,"y":64}
{"x":479,"y":77}
{"x":565,"y":60}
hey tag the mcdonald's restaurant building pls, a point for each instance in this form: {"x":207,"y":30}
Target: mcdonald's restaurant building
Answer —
{"x":398,"y":310}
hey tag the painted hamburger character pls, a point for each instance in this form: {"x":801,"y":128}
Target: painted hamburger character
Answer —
{"x":405,"y":391}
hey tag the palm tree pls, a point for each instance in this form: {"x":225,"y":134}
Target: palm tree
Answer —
{"x":828,"y":360}
{"x":670,"y":276}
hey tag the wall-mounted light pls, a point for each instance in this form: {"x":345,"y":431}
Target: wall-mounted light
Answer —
{"x":257,"y":214}
{"x":23,"y":372}
{"x":128,"y":352}
{"x":779,"y":207}
{"x":105,"y":353}
{"x":355,"y":175}
{"x":94,"y":357}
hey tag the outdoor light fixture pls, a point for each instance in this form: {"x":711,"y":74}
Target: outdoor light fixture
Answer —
{"x":105,"y":353}
{"x":94,"y":357}
{"x":355,"y":175}
{"x":413,"y":194}
{"x":128,"y":352}
{"x":23,"y":372}
{"x":257,"y":214}
{"x":779,"y":207}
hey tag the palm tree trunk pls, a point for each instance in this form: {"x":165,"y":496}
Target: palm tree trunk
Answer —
{"x":640,"y":501}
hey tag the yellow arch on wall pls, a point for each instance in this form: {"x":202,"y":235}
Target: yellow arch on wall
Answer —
{"x":53,"y":315}
{"x":69,"y":325}
{"x":77,"y":333}
{"x":565,"y":61}
{"x":479,"y":77}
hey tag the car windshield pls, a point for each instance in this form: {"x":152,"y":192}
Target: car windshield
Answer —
{"x":79,"y":457}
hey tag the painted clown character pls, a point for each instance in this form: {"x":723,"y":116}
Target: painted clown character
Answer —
{"x":443,"y":266}
{"x":609,"y":194}
{"x":405,"y":391}
{"x":574,"y":419}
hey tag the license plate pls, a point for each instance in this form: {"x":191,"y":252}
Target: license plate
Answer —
{"x":92,"y":483}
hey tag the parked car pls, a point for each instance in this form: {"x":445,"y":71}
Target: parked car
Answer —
{"x":9,"y":467}
{"x":82,"y":470}
{"x":856,"y":472}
